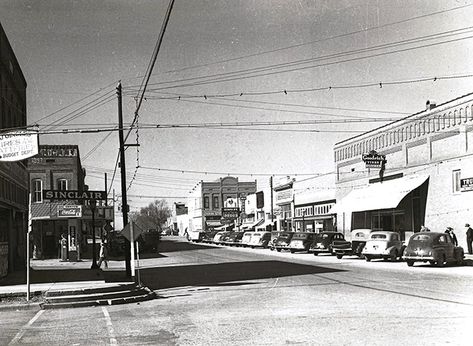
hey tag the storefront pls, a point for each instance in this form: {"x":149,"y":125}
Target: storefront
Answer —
{"x":314,"y":217}
{"x":284,"y":203}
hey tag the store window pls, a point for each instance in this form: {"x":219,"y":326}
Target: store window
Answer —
{"x":37,"y":190}
{"x":215,"y":203}
{"x":206,"y":202}
{"x":456,"y":174}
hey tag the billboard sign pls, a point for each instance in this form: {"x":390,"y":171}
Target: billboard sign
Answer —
{"x":466,"y":184}
{"x":18,"y":145}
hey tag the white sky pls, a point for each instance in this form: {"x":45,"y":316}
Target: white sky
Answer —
{"x":70,"y":49}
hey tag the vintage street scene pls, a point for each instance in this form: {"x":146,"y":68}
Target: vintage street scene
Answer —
{"x":236,"y":172}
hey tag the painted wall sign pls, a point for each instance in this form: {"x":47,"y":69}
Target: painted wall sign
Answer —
{"x":18,"y":145}
{"x":69,"y":211}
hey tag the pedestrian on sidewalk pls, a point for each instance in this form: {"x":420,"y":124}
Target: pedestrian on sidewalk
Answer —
{"x":449,"y":231}
{"x":103,"y":255}
{"x":469,"y":238}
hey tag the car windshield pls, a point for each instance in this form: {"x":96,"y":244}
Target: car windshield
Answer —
{"x":256,"y":234}
{"x":378,"y":236}
{"x":300,"y":236}
{"x":284,"y":235}
{"x":324,"y":236}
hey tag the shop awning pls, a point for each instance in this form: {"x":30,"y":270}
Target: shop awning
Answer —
{"x":385,"y":195}
{"x":213,"y":223}
{"x":266,"y":223}
{"x":252,"y":225}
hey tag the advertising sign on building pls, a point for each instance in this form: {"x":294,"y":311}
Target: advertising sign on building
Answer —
{"x":466,"y":184}
{"x":64,"y":195}
{"x":374,"y":160}
{"x":230,"y":213}
{"x":69,"y":211}
{"x":260,"y":199}
{"x":18,"y":145}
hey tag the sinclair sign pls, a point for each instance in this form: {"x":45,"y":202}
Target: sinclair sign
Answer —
{"x":65,"y":195}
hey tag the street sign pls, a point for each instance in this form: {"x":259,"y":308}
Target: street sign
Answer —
{"x":18,"y":145}
{"x":136,"y":231}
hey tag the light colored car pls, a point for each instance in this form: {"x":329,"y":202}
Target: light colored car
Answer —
{"x":353,"y":247}
{"x":218,"y":236}
{"x":259,"y":239}
{"x":245,"y":240}
{"x":385,"y":245}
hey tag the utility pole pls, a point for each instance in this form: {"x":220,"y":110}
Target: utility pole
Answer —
{"x":123,"y":177}
{"x":272,"y":211}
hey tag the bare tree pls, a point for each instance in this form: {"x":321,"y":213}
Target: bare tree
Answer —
{"x":156,"y":214}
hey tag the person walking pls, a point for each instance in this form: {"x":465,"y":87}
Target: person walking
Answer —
{"x":449,"y":231}
{"x":103,"y":254}
{"x":469,"y":238}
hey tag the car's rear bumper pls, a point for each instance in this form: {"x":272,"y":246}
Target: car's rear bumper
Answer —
{"x":418,"y":258}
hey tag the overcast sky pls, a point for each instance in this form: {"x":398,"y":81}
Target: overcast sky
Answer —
{"x":72,"y":50}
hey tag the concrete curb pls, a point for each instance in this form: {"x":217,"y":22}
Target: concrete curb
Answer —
{"x":25,"y":306}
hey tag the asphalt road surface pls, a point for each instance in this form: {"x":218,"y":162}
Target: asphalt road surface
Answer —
{"x":231,"y":296}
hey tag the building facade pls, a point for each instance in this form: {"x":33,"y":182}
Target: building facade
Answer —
{"x":13,"y":175}
{"x":284,"y":203}
{"x":314,"y":199}
{"x":58,"y":167}
{"x":216,"y":203}
{"x":409,"y":173}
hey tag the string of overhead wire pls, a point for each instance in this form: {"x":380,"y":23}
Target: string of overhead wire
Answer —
{"x":98,"y":145}
{"x":364,"y":30}
{"x":287,"y":67}
{"x":377,"y":84}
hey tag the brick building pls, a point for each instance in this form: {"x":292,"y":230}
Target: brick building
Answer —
{"x":13,"y":175}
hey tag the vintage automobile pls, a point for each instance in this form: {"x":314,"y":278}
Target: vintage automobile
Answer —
{"x":234,"y":239}
{"x":282,"y":242}
{"x":347,"y":248}
{"x":245,"y":240}
{"x":385,"y":245}
{"x":274,"y":237}
{"x":301,"y":242}
{"x":323,"y":242}
{"x":260,"y":239}
{"x":434,"y":247}
{"x":218,"y":237}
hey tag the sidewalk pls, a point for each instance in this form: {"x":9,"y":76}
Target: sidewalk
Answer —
{"x":52,"y":274}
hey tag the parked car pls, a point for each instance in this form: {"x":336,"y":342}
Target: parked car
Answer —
{"x":225,"y":237}
{"x":433,"y":247}
{"x":301,"y":241}
{"x":385,"y":245}
{"x":260,"y":239}
{"x":323,"y":242}
{"x":234,"y":239}
{"x":274,"y":237}
{"x":245,"y":240}
{"x":282,"y":242}
{"x":358,"y":241}
{"x":218,"y":236}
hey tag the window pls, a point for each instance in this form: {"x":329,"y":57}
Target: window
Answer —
{"x":215,"y":203}
{"x":206,"y":202}
{"x":456,"y":181}
{"x":37,"y":190}
{"x":62,"y":184}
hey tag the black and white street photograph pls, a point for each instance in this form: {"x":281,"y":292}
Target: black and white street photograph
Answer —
{"x":236,"y":172}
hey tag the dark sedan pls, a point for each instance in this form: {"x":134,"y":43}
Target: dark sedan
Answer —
{"x":301,"y":242}
{"x":324,"y":241}
{"x":433,"y":247}
{"x":283,"y":240}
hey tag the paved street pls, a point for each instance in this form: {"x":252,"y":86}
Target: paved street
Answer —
{"x":231,"y":296}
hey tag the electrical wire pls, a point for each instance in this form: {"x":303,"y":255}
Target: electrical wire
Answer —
{"x":323,"y":39}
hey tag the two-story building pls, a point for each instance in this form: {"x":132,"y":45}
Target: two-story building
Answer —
{"x":412,"y":172}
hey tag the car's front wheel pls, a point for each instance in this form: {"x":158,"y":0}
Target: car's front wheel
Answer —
{"x":315,"y":253}
{"x":410,"y":263}
{"x":367,"y":258}
{"x":394,"y":256}
{"x":339,"y":256}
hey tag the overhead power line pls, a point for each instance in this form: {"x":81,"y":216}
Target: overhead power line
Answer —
{"x":288,"y":67}
{"x":324,"y":39}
